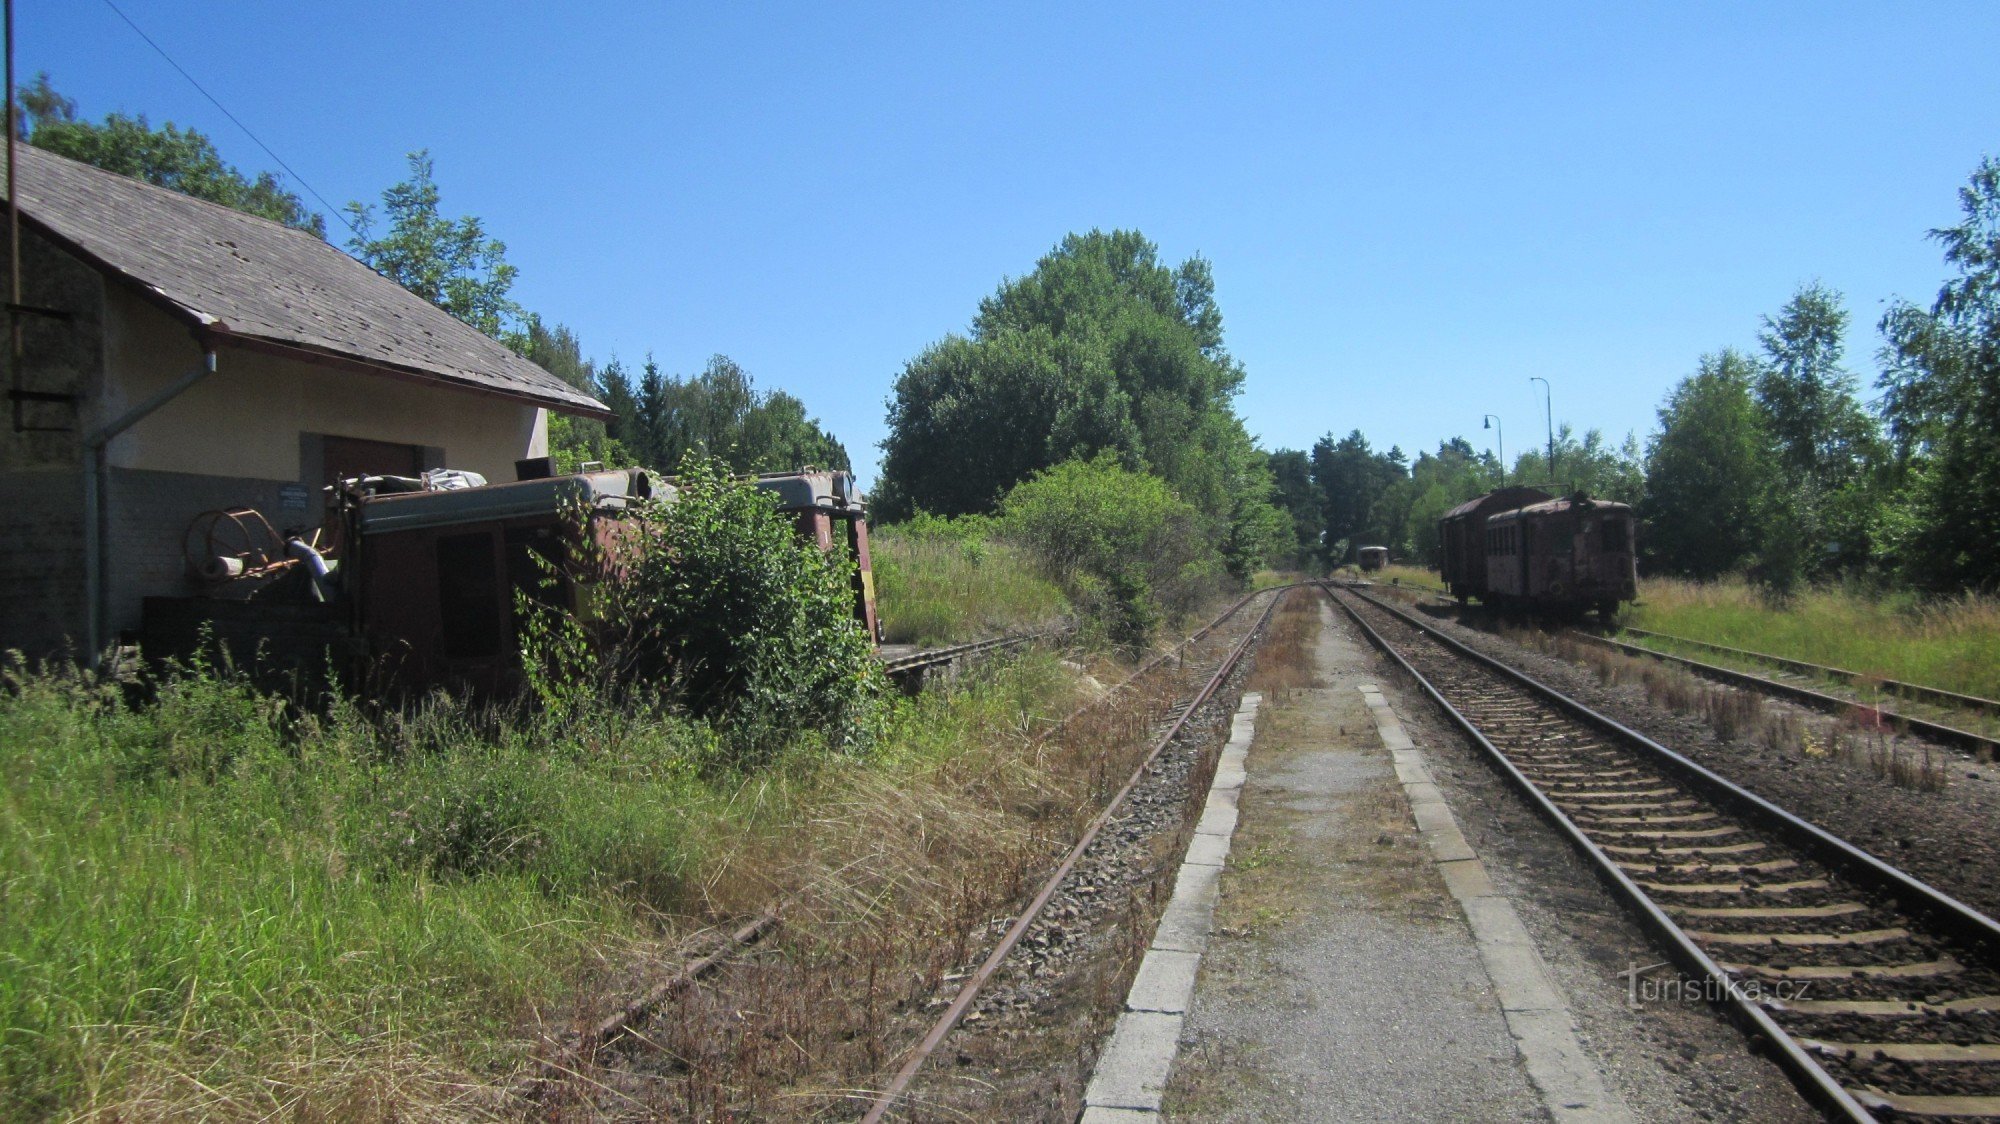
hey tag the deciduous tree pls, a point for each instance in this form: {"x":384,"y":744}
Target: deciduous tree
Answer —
{"x":1705,"y":471}
{"x":450,"y":262}
{"x":183,"y":160}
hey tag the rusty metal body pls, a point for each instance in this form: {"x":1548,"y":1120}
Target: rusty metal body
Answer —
{"x":1520,"y":547}
{"x":431,"y":572}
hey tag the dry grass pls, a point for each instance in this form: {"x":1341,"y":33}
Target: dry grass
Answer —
{"x":1284,"y":661}
{"x":1860,"y":739}
{"x":893,"y":884}
{"x":1953,"y":644}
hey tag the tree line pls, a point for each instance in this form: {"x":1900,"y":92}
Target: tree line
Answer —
{"x":656,"y":417}
{"x":1766,"y":461}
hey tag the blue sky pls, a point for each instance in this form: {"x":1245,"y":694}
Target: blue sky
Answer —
{"x":1411,"y":209}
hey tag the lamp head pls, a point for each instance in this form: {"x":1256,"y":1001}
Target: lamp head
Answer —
{"x":1488,"y":423}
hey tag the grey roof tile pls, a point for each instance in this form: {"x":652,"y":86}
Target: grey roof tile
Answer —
{"x":241,"y":275}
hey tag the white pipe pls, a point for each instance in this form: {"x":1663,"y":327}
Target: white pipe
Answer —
{"x":94,"y":609}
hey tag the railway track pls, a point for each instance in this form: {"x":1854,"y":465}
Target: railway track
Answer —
{"x":1212,"y":671}
{"x":1980,"y":745}
{"x":1878,"y":994}
{"x":909,"y":670}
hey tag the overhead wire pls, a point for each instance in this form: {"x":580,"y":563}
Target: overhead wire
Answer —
{"x":213,"y":100}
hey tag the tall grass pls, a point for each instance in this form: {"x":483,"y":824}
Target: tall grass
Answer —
{"x":210,"y":906}
{"x":1953,"y":644}
{"x":948,"y":588}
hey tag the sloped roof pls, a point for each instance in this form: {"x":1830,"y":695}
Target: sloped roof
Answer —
{"x":1500,"y":499}
{"x":242,"y":278}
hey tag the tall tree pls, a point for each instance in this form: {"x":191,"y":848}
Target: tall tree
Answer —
{"x":1295,"y":495}
{"x":1823,"y":443}
{"x":1102,"y":348}
{"x":1942,"y":384}
{"x":450,"y":262}
{"x":1705,"y":471}
{"x":183,"y":160}
{"x":1352,"y":479}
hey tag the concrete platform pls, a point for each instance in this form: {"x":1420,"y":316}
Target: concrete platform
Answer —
{"x":1360,"y":965}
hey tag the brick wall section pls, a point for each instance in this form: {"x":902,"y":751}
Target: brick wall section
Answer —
{"x":41,"y":467}
{"x":41,"y":565}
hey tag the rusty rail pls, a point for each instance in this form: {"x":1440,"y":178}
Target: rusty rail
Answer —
{"x":1915,"y":692}
{"x":888,"y":1098}
{"x":1979,"y":745}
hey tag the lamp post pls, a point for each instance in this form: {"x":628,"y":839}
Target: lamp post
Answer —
{"x":1493,"y":423}
{"x":1549,"y":412}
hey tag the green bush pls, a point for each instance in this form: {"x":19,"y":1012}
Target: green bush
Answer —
{"x":754,"y":627}
{"x":1120,"y":542}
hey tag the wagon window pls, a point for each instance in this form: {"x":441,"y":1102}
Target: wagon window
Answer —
{"x":534,"y":569}
{"x":468,"y":586}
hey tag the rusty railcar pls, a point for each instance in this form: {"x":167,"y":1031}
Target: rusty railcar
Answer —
{"x":1462,"y":538}
{"x":1520,"y":547}
{"x":424,"y":584}
{"x":1371,"y":557}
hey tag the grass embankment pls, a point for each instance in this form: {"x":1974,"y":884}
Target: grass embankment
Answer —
{"x":1952,"y":644}
{"x":950,"y":585}
{"x":210,"y":909}
{"x":1409,"y":577}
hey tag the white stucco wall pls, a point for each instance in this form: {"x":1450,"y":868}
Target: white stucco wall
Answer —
{"x":246,"y":419}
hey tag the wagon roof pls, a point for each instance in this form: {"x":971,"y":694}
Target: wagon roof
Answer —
{"x":1555,"y":506}
{"x":1499,"y":499}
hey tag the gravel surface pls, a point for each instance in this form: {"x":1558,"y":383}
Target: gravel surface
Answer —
{"x":1026,"y":1048}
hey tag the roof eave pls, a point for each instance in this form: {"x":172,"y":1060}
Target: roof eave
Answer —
{"x":326,"y":357}
{"x":209,"y":328}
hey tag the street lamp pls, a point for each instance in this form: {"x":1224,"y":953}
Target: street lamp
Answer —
{"x":1549,"y":411}
{"x":1493,"y":423}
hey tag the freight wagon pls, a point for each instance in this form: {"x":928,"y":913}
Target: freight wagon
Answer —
{"x":1521,"y":547}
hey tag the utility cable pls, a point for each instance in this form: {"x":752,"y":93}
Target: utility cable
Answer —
{"x":301,"y":180}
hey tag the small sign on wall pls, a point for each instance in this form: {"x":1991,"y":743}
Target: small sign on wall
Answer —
{"x":294,"y":497}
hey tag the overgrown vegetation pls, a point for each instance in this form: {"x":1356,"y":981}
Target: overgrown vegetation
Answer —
{"x":946,"y":581}
{"x":214,"y":908}
{"x":1953,"y":644}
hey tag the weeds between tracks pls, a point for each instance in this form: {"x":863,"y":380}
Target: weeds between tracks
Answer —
{"x":1952,"y":643}
{"x":1857,"y":739}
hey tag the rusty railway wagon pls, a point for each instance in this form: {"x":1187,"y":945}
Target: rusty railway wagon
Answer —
{"x":1520,"y":547}
{"x":422,"y":589}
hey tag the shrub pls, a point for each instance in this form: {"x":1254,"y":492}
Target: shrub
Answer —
{"x":1120,"y":542}
{"x":715,"y":591}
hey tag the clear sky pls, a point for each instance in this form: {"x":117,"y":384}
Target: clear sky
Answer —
{"x":1410,"y":208}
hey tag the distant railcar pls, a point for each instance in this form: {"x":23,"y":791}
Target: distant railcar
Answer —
{"x":1520,"y":547}
{"x":1372,"y":557}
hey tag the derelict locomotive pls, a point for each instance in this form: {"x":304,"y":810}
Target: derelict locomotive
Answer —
{"x":1520,"y":547}
{"x":420,"y":585}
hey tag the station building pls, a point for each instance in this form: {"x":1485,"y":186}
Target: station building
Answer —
{"x":177,"y":357}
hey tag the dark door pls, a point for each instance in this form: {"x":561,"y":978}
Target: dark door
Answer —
{"x":355,"y":456}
